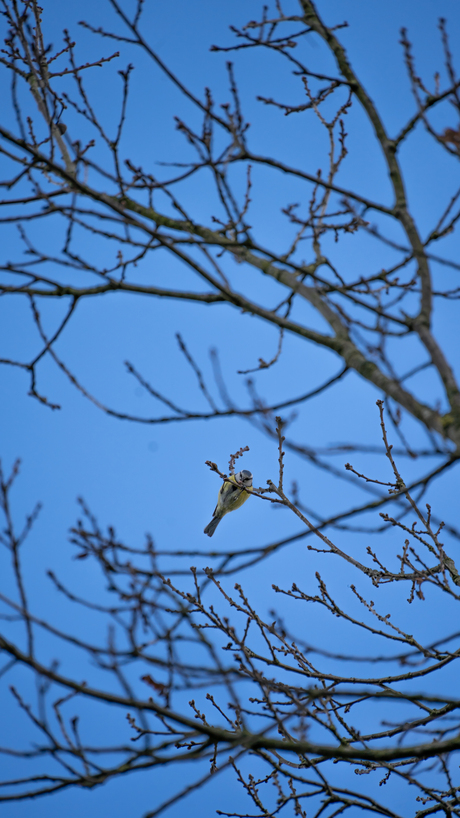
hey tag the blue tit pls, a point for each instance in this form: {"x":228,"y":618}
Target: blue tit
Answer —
{"x":232,"y":494}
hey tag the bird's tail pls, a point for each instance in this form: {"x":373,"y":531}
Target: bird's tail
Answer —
{"x":211,"y":527}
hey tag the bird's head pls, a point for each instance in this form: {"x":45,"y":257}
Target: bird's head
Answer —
{"x":244,"y":478}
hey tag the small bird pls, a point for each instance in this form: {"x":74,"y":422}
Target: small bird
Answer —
{"x":232,"y":494}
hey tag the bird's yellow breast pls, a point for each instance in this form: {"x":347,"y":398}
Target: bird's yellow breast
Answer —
{"x":230,"y":497}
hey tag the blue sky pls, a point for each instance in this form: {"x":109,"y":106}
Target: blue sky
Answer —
{"x":152,"y":478}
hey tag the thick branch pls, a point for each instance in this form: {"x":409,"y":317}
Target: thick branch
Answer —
{"x":250,"y":741}
{"x":341,"y":343}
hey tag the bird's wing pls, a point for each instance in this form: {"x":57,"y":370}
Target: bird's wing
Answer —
{"x":228,"y":492}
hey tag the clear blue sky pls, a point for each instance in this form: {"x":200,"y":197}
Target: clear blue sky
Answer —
{"x":142,"y":478}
